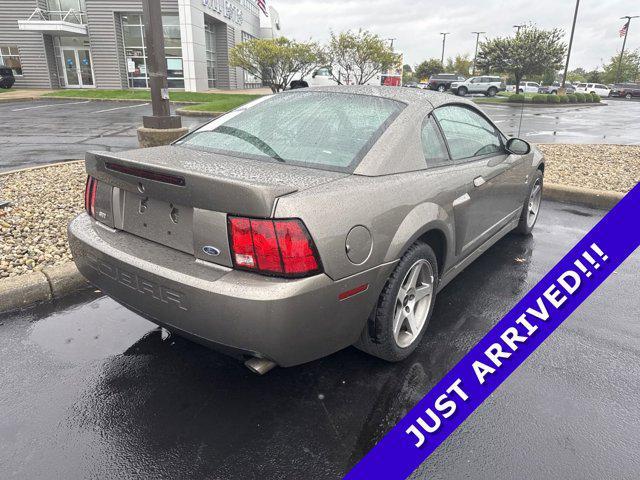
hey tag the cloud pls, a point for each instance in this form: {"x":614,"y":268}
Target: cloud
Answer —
{"x":416,"y":24}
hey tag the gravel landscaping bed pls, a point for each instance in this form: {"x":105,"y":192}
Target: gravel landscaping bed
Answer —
{"x":601,"y":167}
{"x":33,"y":231}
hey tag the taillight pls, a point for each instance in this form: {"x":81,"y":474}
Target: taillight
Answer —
{"x":90,"y":195}
{"x":273,"y":247}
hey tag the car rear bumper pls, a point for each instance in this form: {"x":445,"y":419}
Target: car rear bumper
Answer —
{"x":289,"y":321}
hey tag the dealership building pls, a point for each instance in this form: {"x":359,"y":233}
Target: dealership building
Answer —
{"x":100,"y":43}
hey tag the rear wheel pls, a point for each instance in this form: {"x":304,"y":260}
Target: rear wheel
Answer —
{"x":462,"y":91}
{"x":492,"y":91}
{"x":404,"y":307}
{"x":531,"y":207}
{"x":441,"y":88}
{"x":628,"y":96}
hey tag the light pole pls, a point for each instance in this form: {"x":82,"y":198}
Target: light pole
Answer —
{"x":522,"y":25}
{"x":391,"y":40}
{"x":624,"y":43}
{"x":573,"y":27}
{"x":444,"y":39}
{"x":161,"y":127}
{"x":475,"y":57}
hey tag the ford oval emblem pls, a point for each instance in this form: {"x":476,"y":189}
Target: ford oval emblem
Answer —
{"x":209,"y":250}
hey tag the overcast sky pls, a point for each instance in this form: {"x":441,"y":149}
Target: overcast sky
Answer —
{"x":416,"y":23}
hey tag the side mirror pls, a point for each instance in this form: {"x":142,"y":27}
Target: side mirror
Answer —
{"x":518,"y":146}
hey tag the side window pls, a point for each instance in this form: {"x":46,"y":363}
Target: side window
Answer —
{"x":435,"y":151}
{"x":467,"y":132}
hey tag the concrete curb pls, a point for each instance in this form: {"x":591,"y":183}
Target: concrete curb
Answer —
{"x":587,"y":197}
{"x":50,"y":283}
{"x":131,"y":100}
{"x":197,"y":113}
{"x":542,"y":105}
{"x":38,"y":167}
{"x":19,"y":99}
{"x":57,"y":282}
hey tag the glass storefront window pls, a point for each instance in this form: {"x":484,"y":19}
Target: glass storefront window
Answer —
{"x":59,"y":9}
{"x":10,"y":57}
{"x":210,"y":48}
{"x":135,"y":50}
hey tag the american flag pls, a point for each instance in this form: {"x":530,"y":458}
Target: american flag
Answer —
{"x":263,"y":6}
{"x":623,"y":30}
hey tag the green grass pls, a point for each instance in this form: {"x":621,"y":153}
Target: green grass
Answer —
{"x":216,"y":102}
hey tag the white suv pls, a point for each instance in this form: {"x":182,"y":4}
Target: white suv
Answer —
{"x":597,"y":88}
{"x":488,"y":85}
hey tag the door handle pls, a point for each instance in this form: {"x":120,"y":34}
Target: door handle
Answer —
{"x":478,"y":181}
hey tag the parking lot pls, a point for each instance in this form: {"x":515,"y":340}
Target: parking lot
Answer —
{"x":90,"y":390}
{"x":45,"y":131}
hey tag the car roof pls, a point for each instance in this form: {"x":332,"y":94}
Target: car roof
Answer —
{"x":405,"y":95}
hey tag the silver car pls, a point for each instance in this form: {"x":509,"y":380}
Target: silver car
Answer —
{"x":307,"y":221}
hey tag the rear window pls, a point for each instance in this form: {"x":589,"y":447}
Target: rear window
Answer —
{"x":325,"y":130}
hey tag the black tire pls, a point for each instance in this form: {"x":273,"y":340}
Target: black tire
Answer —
{"x":525,"y":226}
{"x":492,"y":92}
{"x":377,"y":337}
{"x":441,"y":88}
{"x":520,"y":90}
{"x":628,"y":96}
{"x":462,"y":91}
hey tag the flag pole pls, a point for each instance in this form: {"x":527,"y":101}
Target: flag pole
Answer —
{"x":624,"y":43}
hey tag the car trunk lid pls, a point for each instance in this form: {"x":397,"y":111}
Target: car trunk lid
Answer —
{"x":180,"y":197}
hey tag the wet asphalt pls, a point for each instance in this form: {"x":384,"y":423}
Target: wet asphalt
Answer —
{"x":90,"y":390}
{"x":45,"y":131}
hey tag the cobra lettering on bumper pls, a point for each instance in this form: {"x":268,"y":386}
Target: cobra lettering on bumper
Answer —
{"x":137,"y":283}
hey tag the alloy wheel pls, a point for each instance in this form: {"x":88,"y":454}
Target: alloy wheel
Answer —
{"x":535,"y":198}
{"x":413,"y":303}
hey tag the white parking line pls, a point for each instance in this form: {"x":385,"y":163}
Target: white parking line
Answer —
{"x":50,"y":105}
{"x":119,"y":108}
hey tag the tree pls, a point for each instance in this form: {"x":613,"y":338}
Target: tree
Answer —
{"x":359,"y":56}
{"x":277,"y":61}
{"x":407,"y":74}
{"x":530,"y":52}
{"x":428,"y":68}
{"x":594,"y":76}
{"x":629,"y":69}
{"x":577,"y":75}
{"x":460,"y":65}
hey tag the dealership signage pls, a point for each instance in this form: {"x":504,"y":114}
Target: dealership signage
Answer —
{"x":506,"y":346}
{"x":225,"y":8}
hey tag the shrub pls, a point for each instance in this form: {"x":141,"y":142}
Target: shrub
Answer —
{"x":562,"y":98}
{"x":595,"y":98}
{"x":553,"y":99}
{"x":516,"y":97}
{"x":581,"y":97}
{"x":572,"y":98}
{"x":539,"y":98}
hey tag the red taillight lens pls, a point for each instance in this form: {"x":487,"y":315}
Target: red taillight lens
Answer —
{"x":273,"y":247}
{"x":90,"y":195}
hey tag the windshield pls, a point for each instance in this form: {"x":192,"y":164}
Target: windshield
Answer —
{"x":324,"y":130}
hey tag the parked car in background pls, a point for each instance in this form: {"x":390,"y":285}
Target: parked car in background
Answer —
{"x":6,"y":77}
{"x":442,"y":81}
{"x":597,"y":88}
{"x":487,"y":85}
{"x":276,"y":232}
{"x":553,"y":88}
{"x":525,"y":87}
{"x":625,"y":90}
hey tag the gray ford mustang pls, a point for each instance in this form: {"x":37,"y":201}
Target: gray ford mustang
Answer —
{"x":306,"y":221}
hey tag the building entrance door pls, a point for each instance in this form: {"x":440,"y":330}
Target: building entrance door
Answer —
{"x":78,"y":68}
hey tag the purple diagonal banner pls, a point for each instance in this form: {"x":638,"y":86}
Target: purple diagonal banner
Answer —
{"x":506,"y":346}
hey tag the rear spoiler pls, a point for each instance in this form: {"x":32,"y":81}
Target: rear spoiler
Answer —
{"x":182,"y":183}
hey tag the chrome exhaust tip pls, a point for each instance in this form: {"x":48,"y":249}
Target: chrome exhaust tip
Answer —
{"x":259,"y":365}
